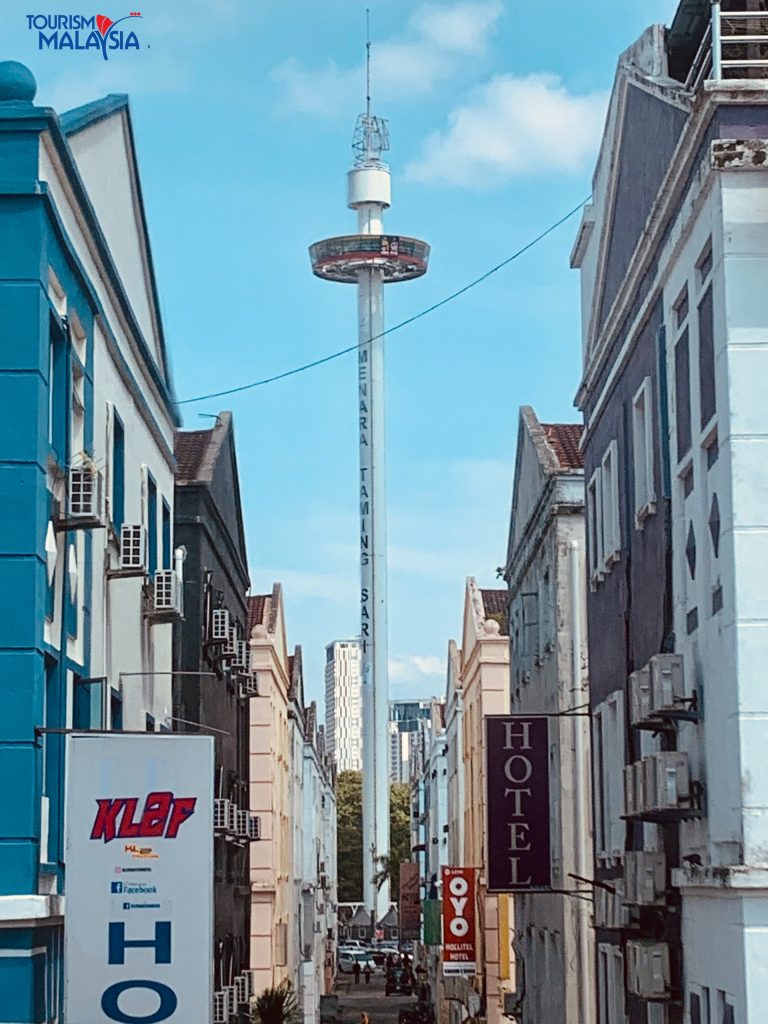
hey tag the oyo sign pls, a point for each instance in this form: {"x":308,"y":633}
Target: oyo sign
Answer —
{"x":459,"y":951}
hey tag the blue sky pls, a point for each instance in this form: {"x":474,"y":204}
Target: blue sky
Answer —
{"x":243,"y":112}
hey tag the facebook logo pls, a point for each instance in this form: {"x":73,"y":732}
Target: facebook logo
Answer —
{"x":117,"y":886}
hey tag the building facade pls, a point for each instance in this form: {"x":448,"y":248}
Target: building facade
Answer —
{"x":86,"y":449}
{"x":343,"y":708}
{"x":404,"y":719}
{"x":673,"y":253}
{"x":545,"y":572}
{"x":209,"y":693}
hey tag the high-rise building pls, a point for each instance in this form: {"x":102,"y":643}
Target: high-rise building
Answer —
{"x":404,"y":718}
{"x":343,"y":719}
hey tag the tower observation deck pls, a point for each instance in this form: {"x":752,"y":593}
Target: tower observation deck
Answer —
{"x":370,"y":259}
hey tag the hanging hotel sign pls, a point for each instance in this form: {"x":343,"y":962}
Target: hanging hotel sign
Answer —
{"x":517,"y":776}
{"x":459,"y":949}
{"x":139,"y":855}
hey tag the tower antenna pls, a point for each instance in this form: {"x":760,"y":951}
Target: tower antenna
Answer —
{"x":368,"y":61}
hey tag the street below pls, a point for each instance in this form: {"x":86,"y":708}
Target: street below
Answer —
{"x":356,"y":999}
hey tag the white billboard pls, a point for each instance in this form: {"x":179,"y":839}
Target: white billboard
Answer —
{"x":139,"y":879}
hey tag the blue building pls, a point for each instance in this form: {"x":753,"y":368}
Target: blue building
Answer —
{"x":90,"y":587}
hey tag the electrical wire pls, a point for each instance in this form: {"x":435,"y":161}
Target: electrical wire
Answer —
{"x":395,"y":327}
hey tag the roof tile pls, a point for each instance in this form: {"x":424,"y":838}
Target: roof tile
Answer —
{"x":564,"y":439}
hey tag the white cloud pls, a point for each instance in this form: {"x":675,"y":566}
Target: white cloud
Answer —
{"x":512,"y":127}
{"x":436,"y":44}
{"x":333,"y":588}
{"x":416,"y":668}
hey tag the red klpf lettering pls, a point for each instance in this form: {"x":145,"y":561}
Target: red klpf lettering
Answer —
{"x":104,"y":827}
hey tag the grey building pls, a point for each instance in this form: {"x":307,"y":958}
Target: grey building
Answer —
{"x":673,"y":255}
{"x":209,"y":524}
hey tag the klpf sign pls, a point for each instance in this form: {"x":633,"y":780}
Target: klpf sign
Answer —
{"x":459,"y":951}
{"x":139,"y":856}
{"x":517,"y":773}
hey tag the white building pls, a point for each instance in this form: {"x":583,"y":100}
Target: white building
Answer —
{"x":405,"y":717}
{"x":546,"y":574}
{"x":343,"y":707}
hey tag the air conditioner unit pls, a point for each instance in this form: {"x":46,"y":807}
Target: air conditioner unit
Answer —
{"x":634,"y":788}
{"x":220,"y":1007}
{"x":610,"y":911}
{"x":250,"y":983}
{"x":221,"y":815}
{"x":85,"y":498}
{"x":169,"y":592}
{"x":230,"y":644}
{"x":241,"y":656}
{"x":672,"y":783}
{"x":242,"y":984}
{"x":232,"y":822}
{"x":242,"y":824}
{"x":230,"y":991}
{"x":248,"y":686}
{"x":667,"y":682}
{"x":133,"y":547}
{"x":220,"y":624}
{"x":648,"y":970}
{"x":645,"y":876}
{"x":640,"y":696}
{"x":254,"y":827}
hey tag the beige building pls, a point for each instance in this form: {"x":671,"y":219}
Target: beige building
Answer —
{"x":478,"y":685}
{"x":272,"y":782}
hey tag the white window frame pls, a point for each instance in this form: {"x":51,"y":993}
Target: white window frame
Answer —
{"x":595,"y":520}
{"x":609,"y":497}
{"x":642,"y":445}
{"x":610,"y":980}
{"x":610,"y":828}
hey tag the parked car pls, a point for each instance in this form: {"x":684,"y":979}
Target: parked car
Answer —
{"x":346,"y":960}
{"x":399,"y":982}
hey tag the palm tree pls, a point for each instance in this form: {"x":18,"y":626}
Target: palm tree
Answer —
{"x":383,"y":871}
{"x":277,"y":1005}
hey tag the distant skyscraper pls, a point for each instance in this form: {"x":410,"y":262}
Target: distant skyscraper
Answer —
{"x":404,"y":718}
{"x":343,"y":720}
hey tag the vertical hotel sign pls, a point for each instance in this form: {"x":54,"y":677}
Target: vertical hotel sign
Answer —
{"x":139,"y":860}
{"x":459,"y":947}
{"x":517,"y":777}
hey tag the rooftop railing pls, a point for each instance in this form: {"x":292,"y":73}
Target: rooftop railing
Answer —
{"x":739,"y":44}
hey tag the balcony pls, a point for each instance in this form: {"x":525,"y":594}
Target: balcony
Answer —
{"x":733,"y":47}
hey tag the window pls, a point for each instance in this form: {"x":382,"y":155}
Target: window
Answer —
{"x":152,"y":523}
{"x":166,"y":535}
{"x":531,"y":626}
{"x":704,"y":265}
{"x":595,"y":515}
{"x":706,"y":358}
{"x":610,"y":985}
{"x":683,"y":395}
{"x":78,"y":410}
{"x":609,"y":486}
{"x":58,"y":385}
{"x":609,"y":761}
{"x":712,"y":450}
{"x":117,"y":503}
{"x":116,"y":710}
{"x":687,"y":479}
{"x":681,"y":307}
{"x":642,"y":440}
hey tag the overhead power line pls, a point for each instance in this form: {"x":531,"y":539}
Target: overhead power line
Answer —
{"x":395,"y":327}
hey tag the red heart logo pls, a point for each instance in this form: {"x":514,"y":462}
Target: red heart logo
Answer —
{"x":103,"y":23}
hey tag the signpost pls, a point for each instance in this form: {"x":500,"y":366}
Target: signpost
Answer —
{"x":139,"y":898}
{"x":410,"y":902}
{"x":459,"y":948}
{"x":517,"y":777}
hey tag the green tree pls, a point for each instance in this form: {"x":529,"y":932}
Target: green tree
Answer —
{"x":277,"y":1005}
{"x":349,"y":800}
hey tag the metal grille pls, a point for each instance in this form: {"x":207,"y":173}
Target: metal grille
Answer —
{"x":167,"y":591}
{"x":254,"y":826}
{"x":242,"y":655}
{"x":133,"y":545}
{"x":248,"y":686}
{"x":242,"y":986}
{"x":220,"y":1008}
{"x":242,"y":824}
{"x":232,"y":819}
{"x":231,"y":993}
{"x":221,"y":815}
{"x":84,"y":493}
{"x":220,"y":624}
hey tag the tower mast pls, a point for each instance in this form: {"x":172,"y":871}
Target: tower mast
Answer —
{"x":370,"y":259}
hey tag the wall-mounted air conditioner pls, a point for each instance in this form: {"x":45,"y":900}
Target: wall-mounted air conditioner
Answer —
{"x":667,"y":683}
{"x":244,"y":987}
{"x":219,"y":625}
{"x":133,"y":548}
{"x":658,"y":786}
{"x":248,"y":686}
{"x":640,"y":696}
{"x":85,"y":497}
{"x":645,"y":878}
{"x":221,"y":809}
{"x":648,"y":970}
{"x":232,"y":822}
{"x":220,"y":1007}
{"x":610,"y":911}
{"x":634,"y":788}
{"x":230,"y":644}
{"x":254,"y":827}
{"x":241,"y":657}
{"x":230,"y":991}
{"x":168,"y":597}
{"x":243,"y":824}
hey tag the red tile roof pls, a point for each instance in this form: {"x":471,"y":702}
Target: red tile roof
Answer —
{"x":256,"y":605}
{"x":189,"y":447}
{"x":495,"y":605}
{"x":564,"y":439}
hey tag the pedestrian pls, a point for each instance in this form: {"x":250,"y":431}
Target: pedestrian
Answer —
{"x":356,"y":971}
{"x":367,"y":973}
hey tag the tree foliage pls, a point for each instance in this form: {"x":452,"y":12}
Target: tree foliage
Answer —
{"x":277,"y":1005}
{"x":349,"y":801}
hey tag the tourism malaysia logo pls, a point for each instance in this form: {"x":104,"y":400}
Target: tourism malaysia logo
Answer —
{"x":83,"y":32}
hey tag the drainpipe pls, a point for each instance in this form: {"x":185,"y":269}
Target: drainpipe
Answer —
{"x":717,"y":45}
{"x":579,"y":751}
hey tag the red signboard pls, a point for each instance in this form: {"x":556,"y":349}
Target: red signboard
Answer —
{"x":517,"y":777}
{"x":459,"y":951}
